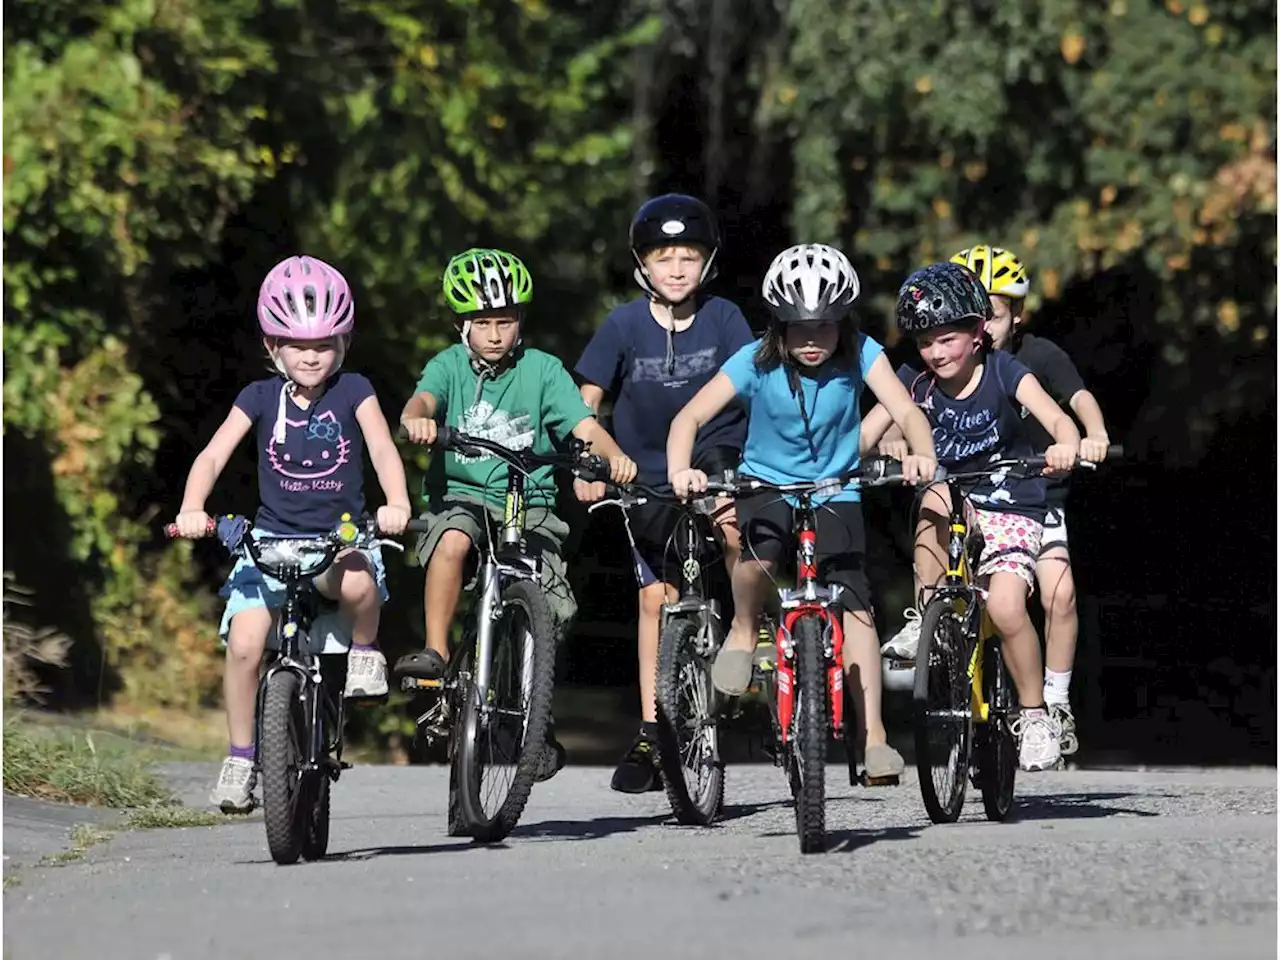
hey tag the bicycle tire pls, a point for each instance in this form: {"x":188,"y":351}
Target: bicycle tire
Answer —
{"x":695,"y":804}
{"x":809,"y":733}
{"x":942,"y":672}
{"x":997,"y":749}
{"x":315,"y":837}
{"x":457,"y":820}
{"x":524,"y":596}
{"x":280,"y":755}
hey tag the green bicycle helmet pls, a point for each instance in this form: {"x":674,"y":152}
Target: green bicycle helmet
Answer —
{"x":480,"y":280}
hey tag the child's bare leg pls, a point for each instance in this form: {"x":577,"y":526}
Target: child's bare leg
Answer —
{"x":862,"y":668}
{"x":350,"y":581}
{"x":246,"y":641}
{"x":650,"y":602}
{"x":443,"y":587}
{"x":1007,"y":607}
{"x":731,"y":672}
{"x":1058,"y":594}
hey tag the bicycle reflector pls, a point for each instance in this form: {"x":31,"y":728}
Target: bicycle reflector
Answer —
{"x":347,"y":531}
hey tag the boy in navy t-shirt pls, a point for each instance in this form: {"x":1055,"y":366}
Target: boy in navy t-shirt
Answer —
{"x":652,"y":355}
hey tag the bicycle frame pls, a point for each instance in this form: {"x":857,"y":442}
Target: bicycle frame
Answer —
{"x":809,"y":598}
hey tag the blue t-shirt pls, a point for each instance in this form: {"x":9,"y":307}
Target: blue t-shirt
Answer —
{"x":628,"y":356}
{"x":983,"y":427}
{"x":780,"y":448}
{"x":306,"y":483}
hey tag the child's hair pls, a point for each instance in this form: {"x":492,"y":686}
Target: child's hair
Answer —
{"x":772,"y":352}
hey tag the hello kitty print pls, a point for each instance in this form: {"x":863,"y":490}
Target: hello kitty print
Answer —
{"x":307,"y":482}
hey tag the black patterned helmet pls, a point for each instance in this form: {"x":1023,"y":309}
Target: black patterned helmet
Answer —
{"x":940,"y":295}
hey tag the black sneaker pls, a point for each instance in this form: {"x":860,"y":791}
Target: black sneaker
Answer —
{"x":638,"y":771}
{"x":553,"y":757}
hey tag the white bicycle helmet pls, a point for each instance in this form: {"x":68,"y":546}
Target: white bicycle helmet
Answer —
{"x":810,"y":281}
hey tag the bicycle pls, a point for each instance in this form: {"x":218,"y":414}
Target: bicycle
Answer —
{"x":300,"y":707}
{"x":691,"y":630}
{"x":965,"y":683}
{"x":494,"y":703}
{"x":805,"y":686}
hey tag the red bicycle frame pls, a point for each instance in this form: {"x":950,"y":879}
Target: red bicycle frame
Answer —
{"x":809,"y":606}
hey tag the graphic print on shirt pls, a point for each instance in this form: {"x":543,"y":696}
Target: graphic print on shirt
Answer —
{"x":685,"y":368}
{"x":513,"y":431}
{"x":326,"y":450}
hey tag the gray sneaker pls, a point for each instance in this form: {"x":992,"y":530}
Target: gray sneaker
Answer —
{"x":366,"y":674}
{"x":1066,"y":721}
{"x":234,"y":790}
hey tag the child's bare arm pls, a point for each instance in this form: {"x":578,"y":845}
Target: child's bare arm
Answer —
{"x":386,"y":464}
{"x":192,"y":518}
{"x":622,"y":469}
{"x":1094,"y":445}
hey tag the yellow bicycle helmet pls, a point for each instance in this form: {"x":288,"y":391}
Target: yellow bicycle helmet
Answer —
{"x":1000,"y":270}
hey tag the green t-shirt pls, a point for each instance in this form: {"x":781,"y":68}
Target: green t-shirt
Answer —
{"x":521,"y":408}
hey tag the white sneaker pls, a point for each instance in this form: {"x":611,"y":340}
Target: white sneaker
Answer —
{"x":1039,"y":748}
{"x":903,"y":644}
{"x":233,"y":792}
{"x":366,"y":674}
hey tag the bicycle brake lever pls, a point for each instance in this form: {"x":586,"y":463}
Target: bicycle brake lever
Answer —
{"x":394,"y":544}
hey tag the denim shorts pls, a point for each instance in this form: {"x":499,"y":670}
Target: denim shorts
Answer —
{"x":247,"y":587}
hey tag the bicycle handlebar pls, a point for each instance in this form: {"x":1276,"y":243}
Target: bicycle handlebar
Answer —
{"x":1114,"y":452}
{"x":583,"y":465}
{"x":346,"y":535}
{"x":873,"y":472}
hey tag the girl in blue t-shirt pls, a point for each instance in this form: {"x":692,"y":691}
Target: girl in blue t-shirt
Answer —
{"x":973,"y":398}
{"x":313,"y":422}
{"x":803,"y":382}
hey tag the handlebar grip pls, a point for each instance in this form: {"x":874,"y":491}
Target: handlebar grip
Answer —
{"x":446,"y":437}
{"x":592,"y":468}
{"x":418,"y":525}
{"x":1115,"y":451}
{"x":171,"y":530}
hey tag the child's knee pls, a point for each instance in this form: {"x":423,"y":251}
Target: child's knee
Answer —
{"x":1059,"y":594}
{"x":1007,"y":604}
{"x":247,"y":638}
{"x":359,"y":588}
{"x":452,"y":549}
{"x":652,"y":597}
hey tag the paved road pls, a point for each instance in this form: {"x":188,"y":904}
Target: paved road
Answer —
{"x":1125,"y":864}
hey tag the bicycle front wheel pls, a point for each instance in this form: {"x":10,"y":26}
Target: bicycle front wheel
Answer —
{"x":281,"y":753}
{"x":943,"y":711}
{"x":504,"y":728}
{"x":809,"y":729}
{"x":996,"y":750}
{"x":687,"y":746}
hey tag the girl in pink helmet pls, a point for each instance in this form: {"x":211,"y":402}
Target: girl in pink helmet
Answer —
{"x":311,"y":425}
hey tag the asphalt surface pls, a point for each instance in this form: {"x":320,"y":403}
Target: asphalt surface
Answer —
{"x":1127,"y":863}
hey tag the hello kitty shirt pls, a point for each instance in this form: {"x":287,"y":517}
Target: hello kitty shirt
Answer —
{"x":307,"y":482}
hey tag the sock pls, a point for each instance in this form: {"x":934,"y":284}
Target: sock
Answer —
{"x":1057,"y":686}
{"x":649,"y":729}
{"x":364,"y":647}
{"x":241,"y":753}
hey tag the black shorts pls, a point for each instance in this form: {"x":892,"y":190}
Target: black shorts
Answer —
{"x":766,"y":524}
{"x":654,"y":524}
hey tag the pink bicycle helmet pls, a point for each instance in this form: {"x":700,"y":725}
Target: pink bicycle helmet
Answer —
{"x":303,"y":298}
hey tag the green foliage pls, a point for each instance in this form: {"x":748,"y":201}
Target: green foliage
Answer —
{"x":160,"y":156}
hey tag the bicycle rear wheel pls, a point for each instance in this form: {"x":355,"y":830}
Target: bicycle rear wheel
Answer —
{"x":943,"y":710}
{"x":996,"y":749}
{"x":809,"y":729}
{"x":281,"y":753}
{"x":504,"y":728}
{"x":687,"y":743}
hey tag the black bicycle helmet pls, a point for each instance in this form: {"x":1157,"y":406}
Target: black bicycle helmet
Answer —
{"x":673,"y":218}
{"x":940,"y":295}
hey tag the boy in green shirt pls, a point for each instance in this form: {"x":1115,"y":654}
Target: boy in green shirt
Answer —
{"x":492,"y":387}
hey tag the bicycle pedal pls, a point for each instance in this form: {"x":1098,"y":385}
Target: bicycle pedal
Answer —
{"x":890,"y":781}
{"x":413,"y":684}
